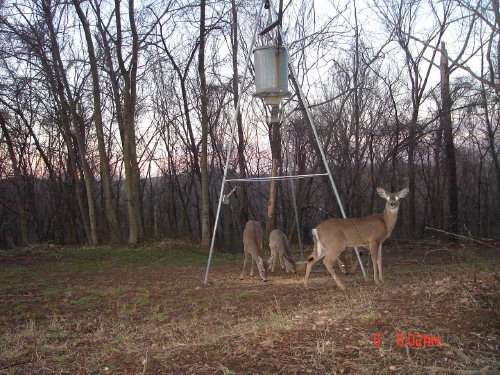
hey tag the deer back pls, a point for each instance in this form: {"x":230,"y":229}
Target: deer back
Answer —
{"x":279,"y":242}
{"x":252,"y":237}
{"x":353,"y":231}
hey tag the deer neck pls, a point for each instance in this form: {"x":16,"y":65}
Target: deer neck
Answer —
{"x":390,"y":216}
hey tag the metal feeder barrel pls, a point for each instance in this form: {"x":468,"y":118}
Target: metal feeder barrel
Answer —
{"x":271,"y":73}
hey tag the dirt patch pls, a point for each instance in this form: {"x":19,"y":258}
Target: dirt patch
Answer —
{"x":140,"y":317}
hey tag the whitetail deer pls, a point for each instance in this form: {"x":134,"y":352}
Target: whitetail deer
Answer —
{"x":280,"y":250}
{"x":332,"y":236}
{"x":348,"y":263}
{"x":252,"y":246}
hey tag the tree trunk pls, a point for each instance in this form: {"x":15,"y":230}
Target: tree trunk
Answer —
{"x":355,"y":201}
{"x":125,"y":111}
{"x":412,"y":216}
{"x":490,"y":134}
{"x":244,"y":215}
{"x":131,"y":171}
{"x":449,"y":147}
{"x":76,"y":120}
{"x":275,"y":140}
{"x":109,"y":208}
{"x":205,"y":203}
{"x":18,"y":182}
{"x":73,"y":172}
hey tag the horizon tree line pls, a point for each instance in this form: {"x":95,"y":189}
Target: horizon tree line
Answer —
{"x":114,"y":118}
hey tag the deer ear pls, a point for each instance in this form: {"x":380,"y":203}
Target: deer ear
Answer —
{"x":403,"y":193}
{"x":381,"y":192}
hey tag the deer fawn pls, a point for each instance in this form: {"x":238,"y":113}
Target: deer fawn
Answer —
{"x":347,"y":262}
{"x":252,"y":246}
{"x":278,"y":244}
{"x":332,"y":236}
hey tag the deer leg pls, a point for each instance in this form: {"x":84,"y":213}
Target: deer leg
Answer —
{"x":286,"y":264}
{"x":289,"y":263}
{"x":313,"y":258}
{"x":252,"y":262}
{"x":275,"y":259}
{"x":317,"y":254}
{"x":374,"y":255}
{"x":310,"y":263}
{"x":244,"y":265}
{"x":270,"y":261}
{"x":282,"y":261}
{"x":379,"y":263}
{"x":328,"y":262}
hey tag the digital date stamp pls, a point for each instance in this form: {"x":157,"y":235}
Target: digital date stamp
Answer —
{"x":411,"y":339}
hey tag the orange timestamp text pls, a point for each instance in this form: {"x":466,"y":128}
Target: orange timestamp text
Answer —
{"x":411,"y":339}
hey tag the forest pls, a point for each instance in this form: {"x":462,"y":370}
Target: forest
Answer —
{"x":115,"y":118}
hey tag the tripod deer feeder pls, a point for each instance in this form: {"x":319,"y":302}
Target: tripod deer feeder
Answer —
{"x":272,"y":68}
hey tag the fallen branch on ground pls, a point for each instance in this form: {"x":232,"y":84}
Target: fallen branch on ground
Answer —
{"x":464,"y":237}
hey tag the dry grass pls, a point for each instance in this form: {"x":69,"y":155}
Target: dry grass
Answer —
{"x":146,"y":312}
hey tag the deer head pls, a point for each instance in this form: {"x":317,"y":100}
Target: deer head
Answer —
{"x":392,"y":198}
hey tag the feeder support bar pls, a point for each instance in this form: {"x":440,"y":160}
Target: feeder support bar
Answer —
{"x":323,"y":156}
{"x":230,"y":147}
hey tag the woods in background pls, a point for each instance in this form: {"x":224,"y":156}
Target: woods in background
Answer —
{"x":114,"y":117}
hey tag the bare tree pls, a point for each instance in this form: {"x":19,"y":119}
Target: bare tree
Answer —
{"x":96,"y":93}
{"x":399,"y":19}
{"x":68,"y":100}
{"x":205,"y":204}
{"x":18,"y":181}
{"x":241,"y":141}
{"x":451,"y":166}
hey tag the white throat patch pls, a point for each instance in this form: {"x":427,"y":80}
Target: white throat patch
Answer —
{"x":394,"y":210}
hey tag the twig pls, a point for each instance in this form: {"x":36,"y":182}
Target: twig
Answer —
{"x":145,"y":363}
{"x":278,"y":309}
{"x":282,"y":369}
{"x":431,"y":251}
{"x":408,"y":352}
{"x":465,"y":237}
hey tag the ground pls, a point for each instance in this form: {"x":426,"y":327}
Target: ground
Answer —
{"x":68,"y":310}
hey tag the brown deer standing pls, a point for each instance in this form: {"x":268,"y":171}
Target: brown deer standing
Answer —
{"x":280,"y":250}
{"x":252,"y":246}
{"x":332,"y":236}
